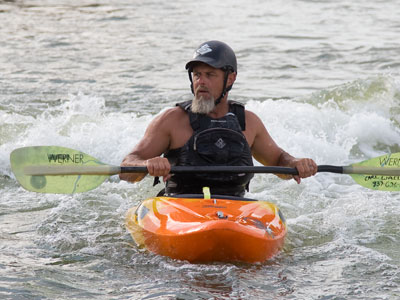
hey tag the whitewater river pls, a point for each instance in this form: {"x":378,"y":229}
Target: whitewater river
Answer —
{"x":91,"y":74}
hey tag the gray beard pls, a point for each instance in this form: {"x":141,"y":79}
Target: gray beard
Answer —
{"x":203,"y":106}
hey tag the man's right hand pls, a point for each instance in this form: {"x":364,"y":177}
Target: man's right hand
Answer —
{"x":158,"y":166}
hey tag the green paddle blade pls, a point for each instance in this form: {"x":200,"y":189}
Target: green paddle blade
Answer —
{"x":27,"y":161}
{"x":386,"y":168}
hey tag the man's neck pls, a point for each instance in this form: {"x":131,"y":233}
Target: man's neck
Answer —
{"x":220,"y":110}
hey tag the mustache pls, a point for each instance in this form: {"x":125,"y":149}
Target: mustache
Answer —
{"x":202,"y":89}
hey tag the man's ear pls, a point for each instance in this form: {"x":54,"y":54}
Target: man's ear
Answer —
{"x":231,"y":79}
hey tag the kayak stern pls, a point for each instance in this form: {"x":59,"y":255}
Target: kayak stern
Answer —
{"x":208,"y":230}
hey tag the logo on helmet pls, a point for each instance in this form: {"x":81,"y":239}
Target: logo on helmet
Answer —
{"x":202,"y":50}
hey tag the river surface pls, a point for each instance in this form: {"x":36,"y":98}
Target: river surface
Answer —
{"x":90,"y":75}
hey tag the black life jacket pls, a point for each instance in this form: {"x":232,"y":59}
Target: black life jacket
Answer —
{"x":215,"y":142}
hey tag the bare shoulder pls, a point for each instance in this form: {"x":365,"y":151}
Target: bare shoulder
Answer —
{"x":174,"y":124}
{"x":252,"y":119}
{"x":169,"y":119}
{"x":254,"y":126}
{"x":174,"y":112}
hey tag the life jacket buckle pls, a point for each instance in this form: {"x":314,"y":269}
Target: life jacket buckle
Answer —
{"x":206,"y":192}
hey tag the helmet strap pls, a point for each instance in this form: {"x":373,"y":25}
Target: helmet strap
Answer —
{"x":191,"y":80}
{"x":224,"y":89}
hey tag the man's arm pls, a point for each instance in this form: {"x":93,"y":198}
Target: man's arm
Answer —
{"x":267,"y":152}
{"x":155,"y":141}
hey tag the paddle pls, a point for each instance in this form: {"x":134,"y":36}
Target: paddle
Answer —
{"x":60,"y":170}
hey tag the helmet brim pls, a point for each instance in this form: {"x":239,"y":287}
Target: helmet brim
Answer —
{"x":204,"y":59}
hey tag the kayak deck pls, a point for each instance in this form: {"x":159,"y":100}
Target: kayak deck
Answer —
{"x":207,"y":230}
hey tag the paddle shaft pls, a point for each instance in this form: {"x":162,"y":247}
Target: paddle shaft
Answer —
{"x":112,"y":170}
{"x":219,"y":169}
{"x":276,"y":170}
{"x":268,"y":169}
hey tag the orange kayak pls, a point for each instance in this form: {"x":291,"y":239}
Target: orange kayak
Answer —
{"x":195,"y":229}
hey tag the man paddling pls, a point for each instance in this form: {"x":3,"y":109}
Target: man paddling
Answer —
{"x":209,"y":130}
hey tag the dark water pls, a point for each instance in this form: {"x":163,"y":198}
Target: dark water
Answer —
{"x":323,"y":77}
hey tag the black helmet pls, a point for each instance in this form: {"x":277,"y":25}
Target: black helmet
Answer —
{"x":216,"y":54}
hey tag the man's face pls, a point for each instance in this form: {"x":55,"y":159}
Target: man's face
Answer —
{"x":207,"y":82}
